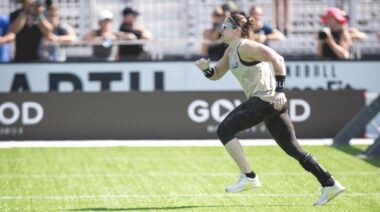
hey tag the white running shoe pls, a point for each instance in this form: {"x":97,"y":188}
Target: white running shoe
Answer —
{"x":329,"y":193}
{"x":244,"y":183}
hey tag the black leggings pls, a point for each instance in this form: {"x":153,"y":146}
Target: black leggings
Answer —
{"x":254,"y":111}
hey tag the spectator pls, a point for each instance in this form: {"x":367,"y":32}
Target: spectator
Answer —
{"x":136,"y":32}
{"x":334,"y":41}
{"x":61,"y":34}
{"x":285,"y":9}
{"x":28,"y":26}
{"x":212,"y":46}
{"x":4,"y":48}
{"x":103,"y":35}
{"x":230,"y":7}
{"x":263,"y":32}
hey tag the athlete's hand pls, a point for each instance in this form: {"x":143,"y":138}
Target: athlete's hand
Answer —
{"x":279,"y":100}
{"x":203,"y":64}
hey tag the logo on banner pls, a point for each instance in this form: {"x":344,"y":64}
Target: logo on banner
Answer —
{"x":11,"y":115}
{"x":201,"y":111}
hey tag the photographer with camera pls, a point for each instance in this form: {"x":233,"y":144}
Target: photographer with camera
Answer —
{"x":334,"y":41}
{"x":28,"y":26}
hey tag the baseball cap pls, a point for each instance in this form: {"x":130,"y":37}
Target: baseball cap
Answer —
{"x":337,"y":13}
{"x":130,"y":10}
{"x":104,"y":14}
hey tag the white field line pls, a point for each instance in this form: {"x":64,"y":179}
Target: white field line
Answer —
{"x":166,"y":157}
{"x":154,"y":174}
{"x":163,"y":143}
{"x":143,"y":196}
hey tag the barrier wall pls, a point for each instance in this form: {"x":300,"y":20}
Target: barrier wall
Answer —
{"x":177,"y":76}
{"x":160,"y":115}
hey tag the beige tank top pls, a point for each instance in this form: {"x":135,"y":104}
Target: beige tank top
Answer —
{"x":256,"y":78}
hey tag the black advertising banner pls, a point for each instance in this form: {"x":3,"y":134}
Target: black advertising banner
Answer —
{"x":160,"y":115}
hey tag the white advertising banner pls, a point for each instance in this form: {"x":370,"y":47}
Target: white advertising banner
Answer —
{"x":177,"y":76}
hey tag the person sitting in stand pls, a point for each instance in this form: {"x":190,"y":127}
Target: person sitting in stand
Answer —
{"x":263,"y":32}
{"x":212,"y":46}
{"x":130,"y":26}
{"x":103,"y":37}
{"x":61,"y":34}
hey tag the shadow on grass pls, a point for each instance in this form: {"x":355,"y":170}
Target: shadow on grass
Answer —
{"x":356,"y":151}
{"x":183,"y":207}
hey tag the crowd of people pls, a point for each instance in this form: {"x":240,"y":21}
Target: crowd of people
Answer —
{"x":128,"y":30}
{"x":334,"y":41}
{"x":39,"y":34}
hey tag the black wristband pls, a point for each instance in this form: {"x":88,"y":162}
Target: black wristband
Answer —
{"x":209,"y":72}
{"x":280,"y":83}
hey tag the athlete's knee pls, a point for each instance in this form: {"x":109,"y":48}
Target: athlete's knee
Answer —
{"x":225,"y":132}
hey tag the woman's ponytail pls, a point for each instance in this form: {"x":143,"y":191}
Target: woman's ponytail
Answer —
{"x":246,"y":24}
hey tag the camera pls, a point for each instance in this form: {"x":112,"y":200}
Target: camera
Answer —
{"x":322,"y":34}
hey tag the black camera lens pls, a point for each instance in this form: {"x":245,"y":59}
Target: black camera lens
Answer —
{"x":322,"y":35}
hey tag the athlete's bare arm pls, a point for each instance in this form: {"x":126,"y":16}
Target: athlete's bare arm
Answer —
{"x":254,"y":51}
{"x":221,"y":67}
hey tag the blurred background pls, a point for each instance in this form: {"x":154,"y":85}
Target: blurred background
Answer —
{"x":177,"y":26}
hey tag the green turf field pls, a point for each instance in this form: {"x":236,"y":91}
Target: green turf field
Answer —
{"x":177,"y":179}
